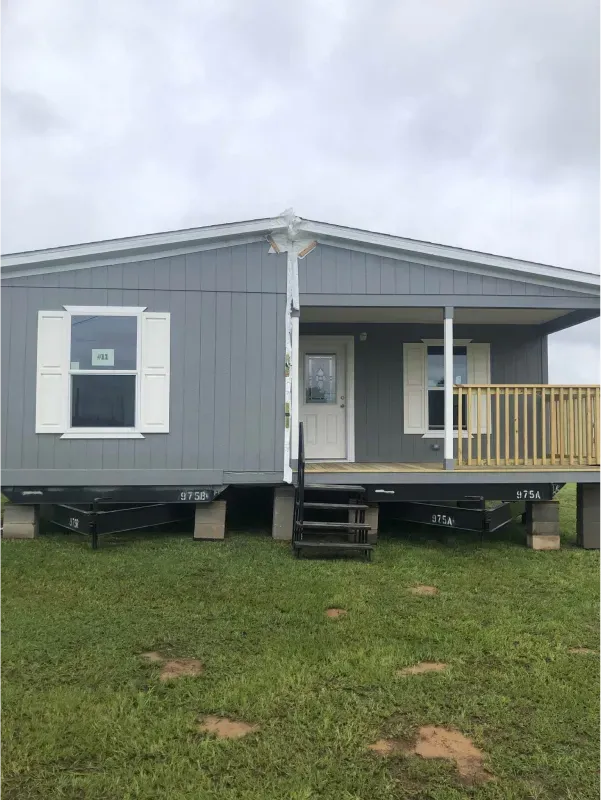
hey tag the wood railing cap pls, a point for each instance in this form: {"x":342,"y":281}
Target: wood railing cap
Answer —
{"x":526,"y":386}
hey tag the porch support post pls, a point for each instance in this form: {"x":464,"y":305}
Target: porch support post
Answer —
{"x":294,"y":377}
{"x":291,"y":241}
{"x":448,"y":388}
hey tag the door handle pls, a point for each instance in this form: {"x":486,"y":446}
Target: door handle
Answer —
{"x":341,"y":405}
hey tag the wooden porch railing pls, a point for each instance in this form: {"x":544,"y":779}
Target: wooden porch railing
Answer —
{"x":527,"y":425}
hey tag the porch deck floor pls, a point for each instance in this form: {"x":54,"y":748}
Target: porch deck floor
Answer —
{"x":365,"y":466}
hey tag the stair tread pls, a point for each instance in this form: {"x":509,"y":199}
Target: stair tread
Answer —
{"x":334,"y":545}
{"x":334,"y":487}
{"x":330,"y":532}
{"x":356,"y":506}
{"x":339,"y":526}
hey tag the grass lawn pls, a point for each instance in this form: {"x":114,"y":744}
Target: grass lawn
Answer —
{"x":84,"y":716}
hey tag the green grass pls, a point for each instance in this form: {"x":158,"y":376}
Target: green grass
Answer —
{"x":85,"y":717}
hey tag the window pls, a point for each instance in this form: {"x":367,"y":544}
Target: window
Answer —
{"x":103,"y":372}
{"x":435,"y":373}
{"x":320,"y":378}
{"x":423,"y":382}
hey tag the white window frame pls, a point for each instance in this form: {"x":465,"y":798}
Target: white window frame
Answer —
{"x":439,"y":432}
{"x":415,"y":390}
{"x":106,"y":433}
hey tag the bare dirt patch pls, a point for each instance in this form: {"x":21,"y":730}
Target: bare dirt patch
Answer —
{"x":424,"y":591}
{"x":581,"y":651}
{"x":225,"y":728}
{"x":153,"y":657}
{"x":174,"y":667}
{"x":423,"y":666}
{"x":437,"y":742}
{"x":335,"y":613}
{"x":181,"y":668}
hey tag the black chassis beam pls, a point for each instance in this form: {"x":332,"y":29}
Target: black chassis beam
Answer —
{"x":84,"y":495}
{"x":446,"y":492}
{"x":467,"y":519}
{"x":118,"y":520}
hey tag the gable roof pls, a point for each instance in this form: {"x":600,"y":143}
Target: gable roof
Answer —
{"x":115,"y":251}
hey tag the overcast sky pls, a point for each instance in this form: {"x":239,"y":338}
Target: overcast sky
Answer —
{"x":468,"y":123}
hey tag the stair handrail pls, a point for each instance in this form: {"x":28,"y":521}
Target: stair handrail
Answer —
{"x":300,"y":486}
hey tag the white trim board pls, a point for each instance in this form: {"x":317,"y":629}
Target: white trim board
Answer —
{"x":349,"y":342}
{"x":115,"y":260}
{"x":411,"y":249}
{"x":105,"y":311}
{"x":213,"y":236}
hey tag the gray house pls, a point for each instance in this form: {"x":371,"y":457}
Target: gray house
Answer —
{"x":183,"y":363}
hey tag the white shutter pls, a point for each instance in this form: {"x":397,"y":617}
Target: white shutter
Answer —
{"x":478,"y":367}
{"x":52,"y":383}
{"x":414,"y":388}
{"x":155,"y":372}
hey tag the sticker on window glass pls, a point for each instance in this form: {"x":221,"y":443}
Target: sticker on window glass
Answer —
{"x":75,"y":365}
{"x":103,"y":358}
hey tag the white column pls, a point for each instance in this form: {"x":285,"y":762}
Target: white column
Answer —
{"x":448,"y":388}
{"x":294,"y":370}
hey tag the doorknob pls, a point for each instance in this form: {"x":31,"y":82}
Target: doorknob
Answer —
{"x":341,"y":405}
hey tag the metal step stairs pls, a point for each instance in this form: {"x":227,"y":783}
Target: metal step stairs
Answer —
{"x":333,"y":526}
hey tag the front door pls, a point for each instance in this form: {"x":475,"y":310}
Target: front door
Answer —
{"x":323,"y":399}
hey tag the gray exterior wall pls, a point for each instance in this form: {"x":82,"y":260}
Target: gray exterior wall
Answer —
{"x":517,"y":355}
{"x":331,"y":270}
{"x":227,"y":366}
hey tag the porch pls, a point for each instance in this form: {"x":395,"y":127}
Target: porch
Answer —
{"x":329,"y":467}
{"x":390,"y":398}
{"x":509,"y":428}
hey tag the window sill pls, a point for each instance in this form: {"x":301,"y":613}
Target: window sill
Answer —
{"x":102,"y":434}
{"x":440,"y":435}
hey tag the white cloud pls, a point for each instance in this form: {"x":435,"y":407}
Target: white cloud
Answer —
{"x":468,"y":123}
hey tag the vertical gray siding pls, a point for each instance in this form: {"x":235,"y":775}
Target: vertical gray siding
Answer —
{"x":337,"y":270}
{"x":518,"y":355}
{"x":227,"y":362}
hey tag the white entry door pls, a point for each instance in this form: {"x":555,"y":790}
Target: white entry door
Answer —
{"x":323,"y":401}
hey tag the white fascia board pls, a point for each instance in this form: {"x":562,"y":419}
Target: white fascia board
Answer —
{"x":141,"y":248}
{"x":137,"y":247}
{"x":114,"y":260}
{"x":455,"y":257}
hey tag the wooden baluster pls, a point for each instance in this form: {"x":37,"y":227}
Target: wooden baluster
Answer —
{"x":488,"y":422}
{"x":543,"y":424}
{"x":534,"y":425}
{"x":507,"y":440}
{"x":596,"y":420}
{"x":459,"y":425}
{"x":561,"y":430}
{"x":525,"y":424}
{"x":516,"y":413}
{"x":478,"y":436}
{"x":571,"y":423}
{"x":589,"y":426}
{"x":583,"y":427}
{"x":576,"y":414}
{"x":498,"y":426}
{"x":470,"y":427}
{"x":553,"y":416}
{"x":581,"y":433}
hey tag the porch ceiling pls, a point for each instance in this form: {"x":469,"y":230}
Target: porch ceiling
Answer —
{"x":476,"y":316}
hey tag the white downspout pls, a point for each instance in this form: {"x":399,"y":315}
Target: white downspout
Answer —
{"x":448,"y":389}
{"x":291,"y":374}
{"x":296,"y":246}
